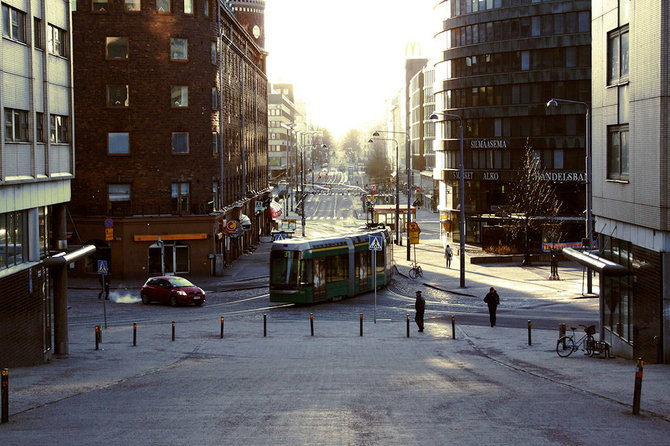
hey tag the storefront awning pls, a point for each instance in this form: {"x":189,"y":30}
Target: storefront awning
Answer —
{"x":275,"y":209}
{"x":594,"y":262}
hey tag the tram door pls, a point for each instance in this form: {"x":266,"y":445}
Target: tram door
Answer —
{"x":362,"y":271}
{"x":319,"y":279}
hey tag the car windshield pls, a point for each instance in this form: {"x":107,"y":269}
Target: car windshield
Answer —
{"x":180,"y":281}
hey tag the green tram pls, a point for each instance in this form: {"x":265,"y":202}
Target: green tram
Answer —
{"x":311,"y":270}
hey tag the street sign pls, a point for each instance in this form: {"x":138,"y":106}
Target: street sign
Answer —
{"x":414,"y":227}
{"x":280,"y":236}
{"x":413,"y":238}
{"x":109,"y":234}
{"x":259,"y":206}
{"x":102,"y":267}
{"x":375,"y":243}
{"x":109,"y":223}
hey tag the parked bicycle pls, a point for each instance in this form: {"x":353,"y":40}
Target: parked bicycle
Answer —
{"x":566,"y":345}
{"x":415,"y":271}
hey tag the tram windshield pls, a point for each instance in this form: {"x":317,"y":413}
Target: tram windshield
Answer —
{"x":284,"y":268}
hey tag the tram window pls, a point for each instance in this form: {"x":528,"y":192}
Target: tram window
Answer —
{"x":285,"y":267}
{"x":379,"y":266}
{"x":306,"y":272}
{"x":337,"y":268}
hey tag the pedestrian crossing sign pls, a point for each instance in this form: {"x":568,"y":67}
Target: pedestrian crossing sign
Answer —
{"x":102,"y":267}
{"x":375,"y":242}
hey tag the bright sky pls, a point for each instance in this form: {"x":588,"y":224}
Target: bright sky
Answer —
{"x":344,"y":57}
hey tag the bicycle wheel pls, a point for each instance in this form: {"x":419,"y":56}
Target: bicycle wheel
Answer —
{"x":566,"y":351}
{"x":412,"y":273}
{"x":589,"y":345}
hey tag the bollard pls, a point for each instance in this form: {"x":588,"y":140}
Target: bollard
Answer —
{"x":561,"y":333}
{"x":408,"y":325}
{"x":638,"y":386}
{"x":361,"y":317}
{"x":530,"y":324}
{"x":453,"y":327}
{"x":311,"y":323}
{"x":5,"y":395}
{"x":134,"y":335}
{"x":221,"y":327}
{"x":97,"y":337}
{"x":265,"y":325}
{"x":173,"y":330}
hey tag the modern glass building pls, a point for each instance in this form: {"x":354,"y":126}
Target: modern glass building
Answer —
{"x":501,"y":61}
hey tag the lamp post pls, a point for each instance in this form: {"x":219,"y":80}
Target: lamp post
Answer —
{"x":554,"y":102}
{"x":409,"y":180}
{"x":461,"y":185}
{"x":397,"y":187}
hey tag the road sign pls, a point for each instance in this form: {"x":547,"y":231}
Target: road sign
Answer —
{"x":102,"y":267}
{"x":280,"y":236}
{"x":414,"y":238}
{"x":109,"y":234}
{"x":414,"y":227}
{"x":109,"y":223}
{"x":375,"y":242}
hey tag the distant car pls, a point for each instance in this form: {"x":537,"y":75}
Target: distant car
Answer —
{"x":173,"y":290}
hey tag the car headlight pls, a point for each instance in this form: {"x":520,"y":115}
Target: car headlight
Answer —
{"x":181,"y":293}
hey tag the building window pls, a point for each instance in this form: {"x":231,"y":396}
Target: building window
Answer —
{"x":163,"y":6}
{"x":56,"y":41}
{"x":13,"y":238}
{"x":215,"y":143}
{"x":213,"y":53}
{"x":117,"y":48}
{"x":117,"y":95}
{"x":132,"y":5}
{"x":188,"y":7}
{"x":13,"y":23}
{"x":38,"y":40}
{"x":617,"y":152}
{"x":525,"y":60}
{"x":617,"y":56}
{"x":59,"y":129}
{"x":118,"y":143}
{"x":179,"y":96}
{"x":118,"y":192}
{"x":180,"y":198}
{"x":215,"y":98}
{"x":178,"y":49}
{"x":16,"y":125}
{"x":205,"y":6}
{"x":99,"y":5}
{"x":180,"y":143}
{"x":39,"y":126}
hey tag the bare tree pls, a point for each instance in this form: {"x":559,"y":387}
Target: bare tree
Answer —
{"x":534,"y":205}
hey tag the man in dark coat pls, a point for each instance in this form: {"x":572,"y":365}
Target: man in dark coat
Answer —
{"x":492,"y":299}
{"x":420,"y":306}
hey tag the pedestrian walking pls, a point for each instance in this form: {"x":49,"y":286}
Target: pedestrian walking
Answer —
{"x":420,"y":306}
{"x":493,"y":300}
{"x":448,"y":253}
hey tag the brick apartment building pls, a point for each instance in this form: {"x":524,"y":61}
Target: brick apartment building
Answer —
{"x":163,"y":89}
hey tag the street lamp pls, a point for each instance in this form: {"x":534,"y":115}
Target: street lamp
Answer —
{"x":554,"y":102}
{"x":409,"y":180}
{"x":461,"y":185}
{"x":397,"y":187}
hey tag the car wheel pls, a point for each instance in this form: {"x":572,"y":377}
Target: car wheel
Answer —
{"x":145,"y":299}
{"x":173,"y":300}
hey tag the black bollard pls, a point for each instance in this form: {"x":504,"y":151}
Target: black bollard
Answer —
{"x":408,"y":325}
{"x":97,"y":337}
{"x":5,"y":395}
{"x":265,"y":325}
{"x":173,"y":330}
{"x":311,"y":323}
{"x":638,"y":386}
{"x":530,"y":342}
{"x":561,"y":333}
{"x":221,"y":327}
{"x":134,"y":335}
{"x":453,"y":327}
{"x":361,"y":317}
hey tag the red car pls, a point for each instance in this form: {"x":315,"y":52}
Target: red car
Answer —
{"x":173,"y":290}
